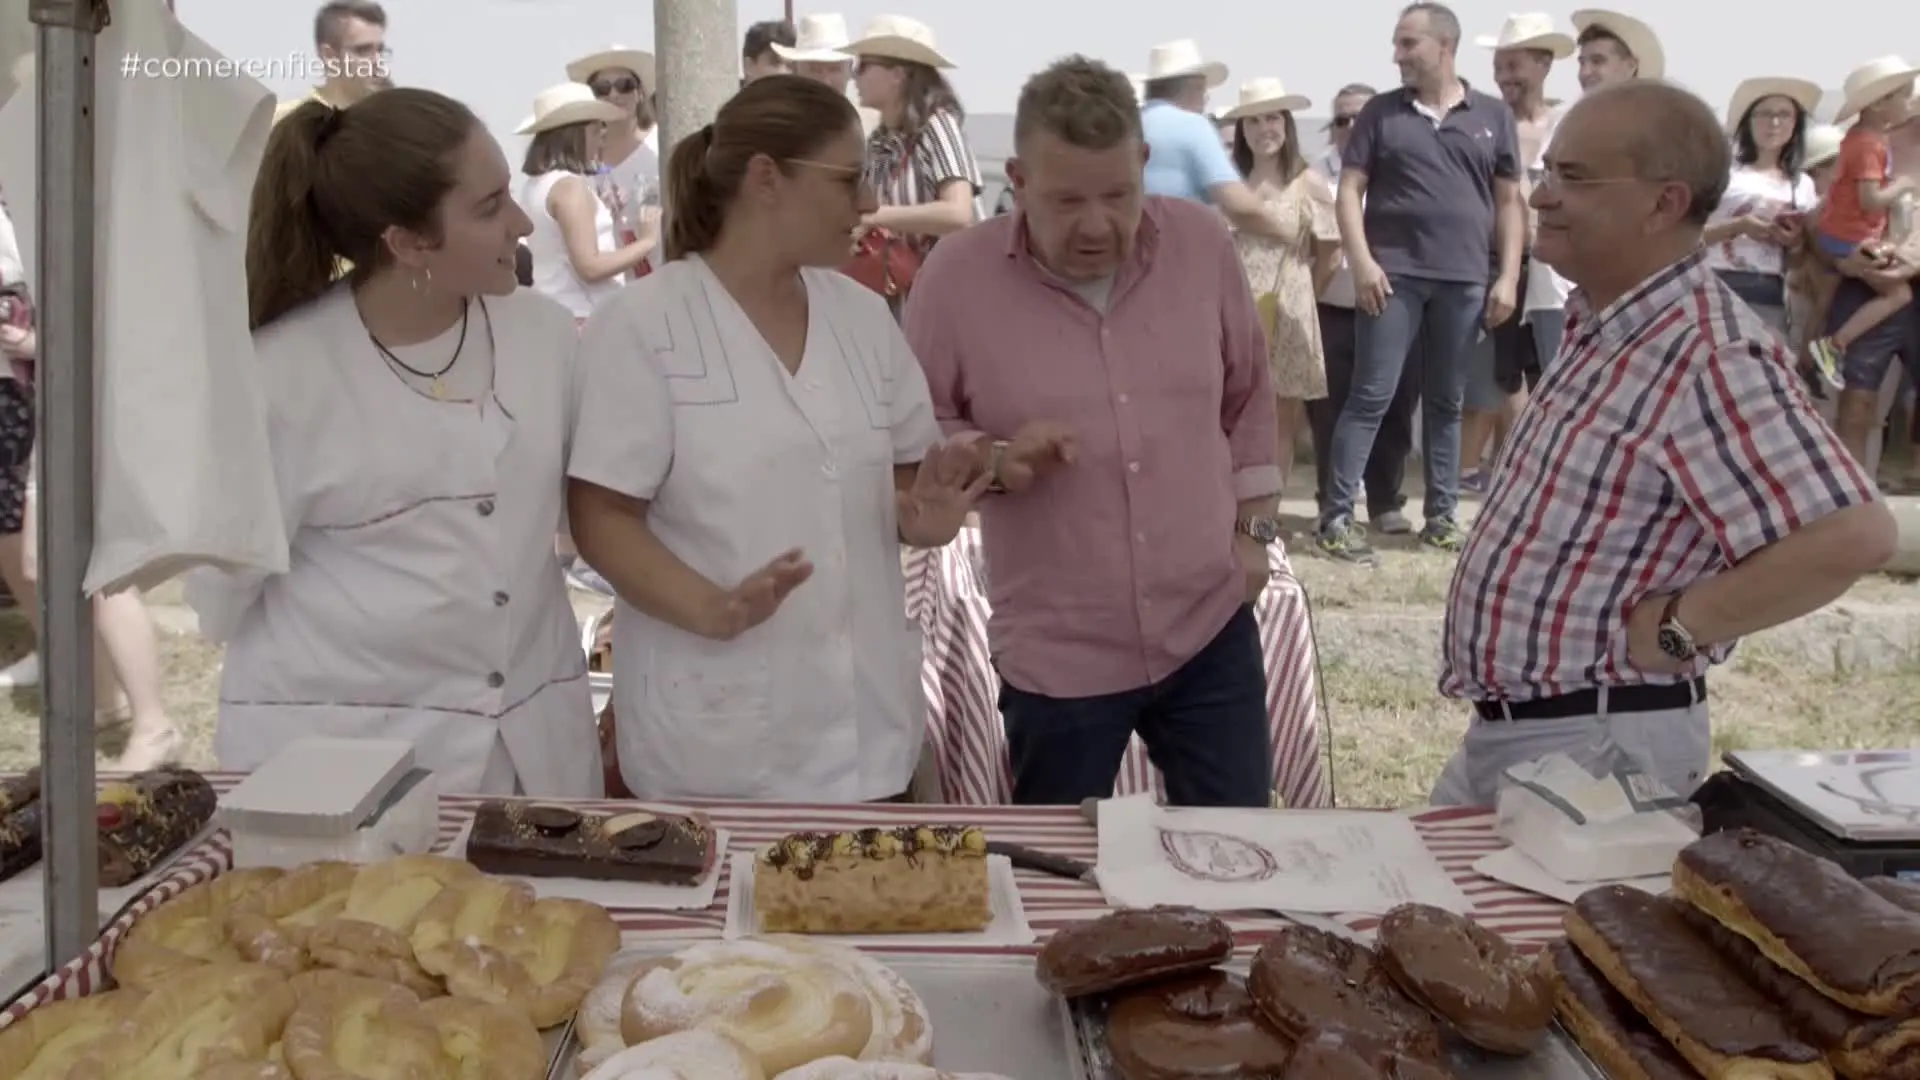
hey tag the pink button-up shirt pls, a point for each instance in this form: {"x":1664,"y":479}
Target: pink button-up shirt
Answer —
{"x":1111,"y":573}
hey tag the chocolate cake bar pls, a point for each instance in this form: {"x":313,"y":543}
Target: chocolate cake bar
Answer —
{"x":19,"y":823}
{"x":527,"y":839}
{"x":147,"y":817}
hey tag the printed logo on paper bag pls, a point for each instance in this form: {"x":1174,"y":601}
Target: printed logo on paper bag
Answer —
{"x":1210,"y":856}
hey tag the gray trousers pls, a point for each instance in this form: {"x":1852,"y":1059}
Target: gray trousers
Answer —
{"x":1674,"y":746}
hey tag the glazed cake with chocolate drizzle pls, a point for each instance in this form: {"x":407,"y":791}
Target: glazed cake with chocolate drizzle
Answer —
{"x":909,"y":880}
{"x":515,"y":838}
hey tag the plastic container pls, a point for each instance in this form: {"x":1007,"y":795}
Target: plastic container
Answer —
{"x":358,"y":800}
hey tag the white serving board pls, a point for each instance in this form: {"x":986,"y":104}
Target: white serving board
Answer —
{"x":1009,"y":926}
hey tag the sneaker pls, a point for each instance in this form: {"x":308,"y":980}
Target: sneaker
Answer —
{"x":1442,"y":534}
{"x":1826,"y":359}
{"x":1474,"y":482}
{"x":1344,"y":541}
{"x":22,"y":674}
{"x":1390,"y":523}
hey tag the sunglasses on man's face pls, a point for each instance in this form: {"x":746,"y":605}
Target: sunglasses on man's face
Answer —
{"x":609,"y":87}
{"x":1343,"y":121}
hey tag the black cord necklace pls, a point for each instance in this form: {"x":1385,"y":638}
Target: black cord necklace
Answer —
{"x":438,"y":388}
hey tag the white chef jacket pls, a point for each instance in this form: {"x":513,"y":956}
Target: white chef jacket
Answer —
{"x":684,"y":405}
{"x":424,"y":600}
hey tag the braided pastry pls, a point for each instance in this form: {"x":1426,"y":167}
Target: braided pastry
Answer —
{"x":186,"y":931}
{"x":492,"y":940}
{"x":786,"y":1007}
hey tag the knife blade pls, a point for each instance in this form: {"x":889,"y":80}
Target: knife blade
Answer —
{"x":1045,"y":862}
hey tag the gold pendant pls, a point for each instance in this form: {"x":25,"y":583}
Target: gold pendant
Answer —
{"x":439,"y":389}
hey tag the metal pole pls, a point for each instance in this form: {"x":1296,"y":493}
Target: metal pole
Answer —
{"x":789,"y":12}
{"x":697,"y":43}
{"x":64,"y":292}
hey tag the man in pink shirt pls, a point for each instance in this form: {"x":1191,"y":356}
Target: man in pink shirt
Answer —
{"x":1105,"y":347}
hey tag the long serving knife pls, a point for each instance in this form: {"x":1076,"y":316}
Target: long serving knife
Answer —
{"x":1046,"y":862}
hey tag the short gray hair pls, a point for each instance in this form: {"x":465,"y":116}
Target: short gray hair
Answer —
{"x":1678,"y":139}
{"x":1441,"y":21}
{"x":1082,"y":102}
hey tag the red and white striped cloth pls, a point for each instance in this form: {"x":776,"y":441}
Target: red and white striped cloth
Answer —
{"x":1457,"y":837}
{"x":947,"y":597}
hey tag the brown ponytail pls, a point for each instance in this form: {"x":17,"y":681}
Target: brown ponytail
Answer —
{"x":784,"y":117}
{"x":332,"y":183}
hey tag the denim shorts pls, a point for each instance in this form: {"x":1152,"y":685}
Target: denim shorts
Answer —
{"x":1833,"y":247}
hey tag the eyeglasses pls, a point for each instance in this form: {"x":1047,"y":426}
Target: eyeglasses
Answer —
{"x":1550,"y":176}
{"x":833,"y":167}
{"x":1344,"y":121}
{"x":370,"y":51}
{"x":609,"y":87}
{"x":864,"y":63}
{"x":1782,"y":118}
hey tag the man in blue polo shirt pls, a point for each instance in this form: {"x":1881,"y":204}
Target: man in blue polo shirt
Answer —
{"x":1429,"y":188}
{"x":1185,"y":158}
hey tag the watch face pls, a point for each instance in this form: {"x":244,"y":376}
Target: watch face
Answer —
{"x":1264,"y":529}
{"x":1676,"y":643}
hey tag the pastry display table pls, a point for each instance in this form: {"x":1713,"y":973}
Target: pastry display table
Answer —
{"x":1456,"y":837}
{"x":947,"y":599}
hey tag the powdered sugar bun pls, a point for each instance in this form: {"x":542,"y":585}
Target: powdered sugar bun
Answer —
{"x":597,"y":1024}
{"x":686,"y":1055}
{"x":839,"y":1068}
{"x":902,"y":1030}
{"x":785,"y":1006}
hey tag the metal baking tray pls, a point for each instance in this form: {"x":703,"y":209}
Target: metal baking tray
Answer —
{"x":989,"y":1015}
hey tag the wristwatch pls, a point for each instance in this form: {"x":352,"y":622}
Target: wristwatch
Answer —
{"x":996,"y":450}
{"x":1262,"y":527}
{"x":1676,"y":640}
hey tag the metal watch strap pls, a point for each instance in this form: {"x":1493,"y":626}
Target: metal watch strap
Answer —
{"x":995,"y":451}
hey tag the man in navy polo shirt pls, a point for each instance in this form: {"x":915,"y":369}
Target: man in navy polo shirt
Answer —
{"x":1430,"y":185}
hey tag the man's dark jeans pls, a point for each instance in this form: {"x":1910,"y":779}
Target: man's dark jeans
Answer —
{"x":1444,"y":317}
{"x":1386,"y":470}
{"x":1205,"y":727}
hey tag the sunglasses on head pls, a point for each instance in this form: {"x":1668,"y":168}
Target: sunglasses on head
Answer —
{"x":610,"y":87}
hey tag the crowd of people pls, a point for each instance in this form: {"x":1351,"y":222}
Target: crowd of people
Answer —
{"x":1616,"y":314}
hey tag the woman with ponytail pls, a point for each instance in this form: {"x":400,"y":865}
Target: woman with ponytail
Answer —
{"x":419,"y":412}
{"x":754,"y":443}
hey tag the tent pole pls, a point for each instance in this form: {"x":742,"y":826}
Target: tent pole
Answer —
{"x":64,"y":292}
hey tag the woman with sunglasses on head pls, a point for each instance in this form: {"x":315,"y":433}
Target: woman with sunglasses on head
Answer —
{"x":418,"y":413}
{"x":577,"y":258}
{"x":754,"y":443}
{"x":628,"y":179}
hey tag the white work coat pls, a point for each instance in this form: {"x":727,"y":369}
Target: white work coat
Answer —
{"x":684,"y":405}
{"x":424,"y":600}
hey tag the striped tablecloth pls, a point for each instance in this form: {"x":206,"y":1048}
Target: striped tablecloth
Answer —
{"x":947,"y":596}
{"x":1456,"y":837}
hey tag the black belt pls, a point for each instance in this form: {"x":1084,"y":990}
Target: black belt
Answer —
{"x":1620,"y":699}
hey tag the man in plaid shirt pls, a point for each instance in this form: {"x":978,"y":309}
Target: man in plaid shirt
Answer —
{"x":1669,"y":490}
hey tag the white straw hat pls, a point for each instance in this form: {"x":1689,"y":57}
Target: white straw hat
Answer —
{"x":1872,"y":81}
{"x":568,"y":103}
{"x":818,"y":39}
{"x":1177,"y":59}
{"x":1637,"y":36}
{"x":1265,"y":95}
{"x":1530,"y":30}
{"x":896,"y":37}
{"x":614,"y":58}
{"x":1753,"y":91}
{"x":1823,"y":144}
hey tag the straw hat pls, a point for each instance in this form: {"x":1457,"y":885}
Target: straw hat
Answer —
{"x":1178,"y":59}
{"x":1823,"y":144}
{"x":1751,"y":92}
{"x":568,"y":103}
{"x":1264,"y":95}
{"x":819,"y":39}
{"x":1532,"y":30}
{"x":612,"y":58}
{"x":1637,"y":36}
{"x":1872,"y":81}
{"x":896,"y":37}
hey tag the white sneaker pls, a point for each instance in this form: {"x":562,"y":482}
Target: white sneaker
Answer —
{"x":22,"y":673}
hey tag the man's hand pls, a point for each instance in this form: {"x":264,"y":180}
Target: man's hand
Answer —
{"x":1643,"y":638}
{"x":756,"y":598}
{"x":1502,"y":298}
{"x":1371,"y":288}
{"x":1039,"y":447}
{"x":18,"y":342}
{"x":1253,"y":560}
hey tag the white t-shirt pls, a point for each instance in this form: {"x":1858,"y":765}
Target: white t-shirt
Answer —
{"x":553,"y":272}
{"x":1546,"y":290}
{"x":1763,"y":194}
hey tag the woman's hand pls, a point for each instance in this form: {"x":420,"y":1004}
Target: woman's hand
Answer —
{"x":756,"y":598}
{"x":950,"y":480}
{"x":646,"y":225}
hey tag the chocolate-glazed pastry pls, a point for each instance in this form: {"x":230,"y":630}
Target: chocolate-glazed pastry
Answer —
{"x":1859,"y":1047}
{"x":1342,"y":1055}
{"x":19,"y":823}
{"x":1305,"y":979}
{"x":1468,"y":976}
{"x":1617,"y":1038}
{"x":1130,"y":947}
{"x":1194,"y":1027}
{"x":513,"y":838}
{"x":1691,"y":994}
{"x":147,"y":817}
{"x":1809,"y":916}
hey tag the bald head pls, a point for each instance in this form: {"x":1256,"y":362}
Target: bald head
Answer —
{"x":1670,"y":136}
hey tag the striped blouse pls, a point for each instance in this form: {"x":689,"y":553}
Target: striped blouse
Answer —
{"x":910,"y":170}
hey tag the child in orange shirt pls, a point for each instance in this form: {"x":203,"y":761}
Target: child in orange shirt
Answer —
{"x":1852,"y":225}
